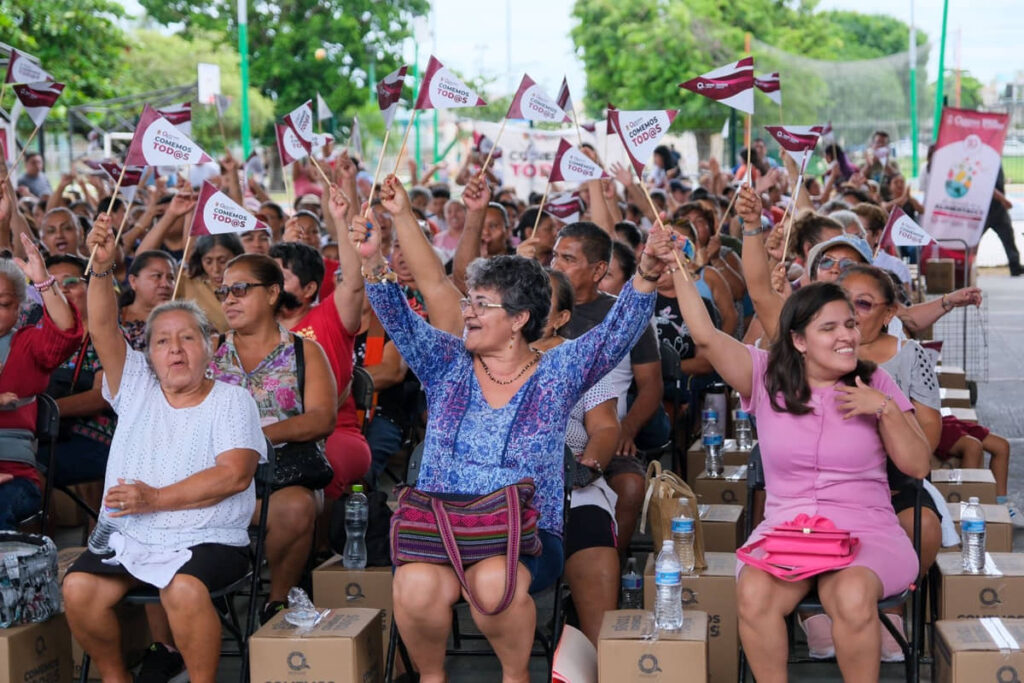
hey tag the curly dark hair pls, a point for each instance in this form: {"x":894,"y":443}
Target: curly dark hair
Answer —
{"x":786,"y":373}
{"x":522,"y":285}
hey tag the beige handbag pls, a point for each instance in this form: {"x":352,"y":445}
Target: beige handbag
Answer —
{"x":661,"y":504}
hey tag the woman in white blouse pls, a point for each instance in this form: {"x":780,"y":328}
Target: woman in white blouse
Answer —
{"x":179,"y":480}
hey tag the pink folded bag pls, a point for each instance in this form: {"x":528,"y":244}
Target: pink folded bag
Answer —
{"x":800,"y":548}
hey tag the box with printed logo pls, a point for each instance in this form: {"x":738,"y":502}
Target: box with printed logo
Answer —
{"x":335,"y":586}
{"x":730,"y":488}
{"x":998,"y":592}
{"x":957,"y":485}
{"x":998,"y":528}
{"x":976,"y":650}
{"x":36,"y":653}
{"x":343,"y":645}
{"x":712,"y":591}
{"x":625,"y":655}
{"x":731,"y":455}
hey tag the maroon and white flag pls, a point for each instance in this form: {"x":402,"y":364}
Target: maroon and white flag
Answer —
{"x":902,"y":231}
{"x":770,"y":85}
{"x":158,"y":142}
{"x":609,"y":126}
{"x":567,"y":207}
{"x":21,"y":69}
{"x":799,"y":141}
{"x":130,"y":181}
{"x":300,"y":120}
{"x":732,"y":84}
{"x":222,"y":102}
{"x":389,"y":92}
{"x":38,"y":98}
{"x":484,"y":145}
{"x":289,"y":146}
{"x":533,"y":104}
{"x":216,"y":213}
{"x":564,"y":99}
{"x":824,"y":130}
{"x":441,"y":89}
{"x":180,"y":116}
{"x":573,"y":166}
{"x":640,"y":132}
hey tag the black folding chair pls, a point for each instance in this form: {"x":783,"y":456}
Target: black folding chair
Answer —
{"x":811,"y":603}
{"x":223,"y":599}
{"x":548,"y":642}
{"x":362,"y":394}
{"x":47,"y":432}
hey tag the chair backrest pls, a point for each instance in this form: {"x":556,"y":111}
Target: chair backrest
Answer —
{"x":362,"y":388}
{"x":412,"y":467}
{"x":47,"y":418}
{"x":755,"y":469}
{"x":671,"y":371}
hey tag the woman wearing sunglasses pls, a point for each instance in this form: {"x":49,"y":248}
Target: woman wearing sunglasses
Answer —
{"x":205,"y":274}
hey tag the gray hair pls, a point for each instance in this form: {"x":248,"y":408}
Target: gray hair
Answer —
{"x":846,"y":218}
{"x":522,"y":285}
{"x":62,"y":209}
{"x":186,"y":306}
{"x":10,"y":270}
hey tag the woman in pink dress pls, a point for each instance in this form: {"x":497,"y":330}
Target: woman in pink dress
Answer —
{"x":826,"y":422}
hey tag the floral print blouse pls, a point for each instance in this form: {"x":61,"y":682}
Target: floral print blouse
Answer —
{"x":274,"y":383}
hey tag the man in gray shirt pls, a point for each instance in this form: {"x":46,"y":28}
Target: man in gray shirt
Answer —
{"x":33,"y":180}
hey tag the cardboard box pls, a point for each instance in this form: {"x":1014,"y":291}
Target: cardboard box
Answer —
{"x":974,"y":650}
{"x":695,"y":458}
{"x":730,"y":488}
{"x":135,"y":638}
{"x":722,"y":526}
{"x":955,"y":398}
{"x":951,"y":377}
{"x":343,"y":646}
{"x":998,"y":528}
{"x":962,"y":414}
{"x":941,"y":275}
{"x":624,"y":656}
{"x":997,"y":593}
{"x":956,"y":485}
{"x":712,"y":591}
{"x":335,"y":586}
{"x":36,"y":653}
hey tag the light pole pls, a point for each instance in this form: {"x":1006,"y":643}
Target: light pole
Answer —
{"x":942,"y":73}
{"x":243,"y":51}
{"x":913,"y":90}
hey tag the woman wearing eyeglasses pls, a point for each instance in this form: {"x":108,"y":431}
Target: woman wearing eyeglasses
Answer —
{"x":262,"y":356}
{"x":205,"y":274}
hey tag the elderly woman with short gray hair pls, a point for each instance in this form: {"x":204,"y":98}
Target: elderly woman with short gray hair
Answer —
{"x":28,"y":355}
{"x":179,"y":483}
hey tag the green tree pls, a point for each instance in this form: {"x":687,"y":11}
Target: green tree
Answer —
{"x":284,"y":39}
{"x":78,"y":41}
{"x":970,"y":90}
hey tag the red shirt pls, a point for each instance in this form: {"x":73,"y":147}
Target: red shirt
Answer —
{"x":327,"y":286}
{"x":323,"y":325}
{"x":36,"y":351}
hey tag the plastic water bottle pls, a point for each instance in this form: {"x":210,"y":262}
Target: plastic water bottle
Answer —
{"x":356,"y":513}
{"x":632,"y":587}
{"x":710,"y":412}
{"x":972,"y":537}
{"x":668,"y":600}
{"x":99,"y":539}
{"x":744,"y":431}
{"x":682,"y":542}
{"x":713,"y":440}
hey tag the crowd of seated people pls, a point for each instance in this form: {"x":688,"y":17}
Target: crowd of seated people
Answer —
{"x":498,"y":336}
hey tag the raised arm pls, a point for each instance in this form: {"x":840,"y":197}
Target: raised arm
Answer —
{"x":476,"y":197}
{"x":920,"y":316}
{"x":102,"y":302}
{"x":439,"y":294}
{"x":57,"y":307}
{"x":756,"y":271}
{"x":179,"y":207}
{"x":349,"y":292}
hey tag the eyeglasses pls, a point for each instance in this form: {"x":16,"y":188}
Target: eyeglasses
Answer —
{"x":478,"y":307}
{"x":866,"y":305}
{"x":237,"y":290}
{"x":827,"y":262}
{"x":72,"y":281}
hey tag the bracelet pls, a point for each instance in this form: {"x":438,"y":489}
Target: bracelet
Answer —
{"x":379,"y":275}
{"x":650,"y":277}
{"x":105,"y":273}
{"x":881,"y":408}
{"x":45,"y":284}
{"x":946,"y":306}
{"x":754,"y":232}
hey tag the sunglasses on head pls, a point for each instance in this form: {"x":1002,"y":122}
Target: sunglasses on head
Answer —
{"x":827,"y":262}
{"x":237,"y":290}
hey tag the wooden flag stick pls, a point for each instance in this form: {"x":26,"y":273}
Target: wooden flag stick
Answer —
{"x":405,"y":139}
{"x":725,"y":216}
{"x":24,"y":148}
{"x":490,"y":155}
{"x":792,"y":216}
{"x":682,"y":268}
{"x":319,"y":168}
{"x":540,"y":208}
{"x":184,"y":259}
{"x":110,"y":206}
{"x":376,"y":174}
{"x":746,"y":140}
{"x":579,"y":134}
{"x":657,"y":217}
{"x":288,"y":187}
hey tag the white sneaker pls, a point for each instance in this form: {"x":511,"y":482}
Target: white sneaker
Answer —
{"x":1016,"y":516}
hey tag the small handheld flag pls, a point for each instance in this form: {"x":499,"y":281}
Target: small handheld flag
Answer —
{"x":216,"y":213}
{"x":732,"y":84}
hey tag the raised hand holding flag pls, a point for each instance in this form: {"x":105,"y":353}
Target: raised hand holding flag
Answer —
{"x":902,"y":231}
{"x":533,"y":104}
{"x":38,"y":99}
{"x":640,"y":132}
{"x":300,"y":120}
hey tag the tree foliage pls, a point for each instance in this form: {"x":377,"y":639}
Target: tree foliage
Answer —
{"x":284,"y":38}
{"x":78,"y":41}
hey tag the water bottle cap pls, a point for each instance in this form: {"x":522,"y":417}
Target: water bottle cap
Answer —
{"x":973,"y":500}
{"x":668,"y":544}
{"x":742,"y":415}
{"x":357,"y":488}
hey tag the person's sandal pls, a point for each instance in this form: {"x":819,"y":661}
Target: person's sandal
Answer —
{"x":270,"y":609}
{"x":818,"y":629}
{"x":159,"y":665}
{"x":891,"y":650}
